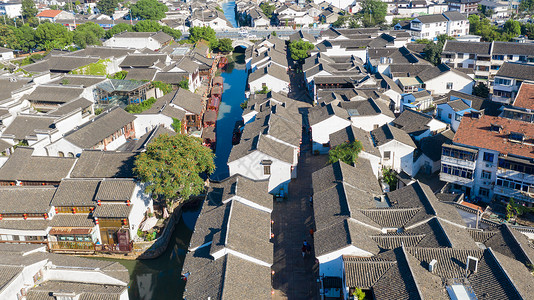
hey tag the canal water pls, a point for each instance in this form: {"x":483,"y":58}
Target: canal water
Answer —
{"x":159,"y":279}
{"x":235,"y":78}
{"x":229,"y":12}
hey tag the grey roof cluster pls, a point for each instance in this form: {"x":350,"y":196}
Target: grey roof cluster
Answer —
{"x":22,"y":166}
{"x":99,"y":128}
{"x":228,"y":221}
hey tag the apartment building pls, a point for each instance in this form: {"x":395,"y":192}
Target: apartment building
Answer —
{"x":491,"y":158}
{"x":508,"y":81}
{"x":429,"y":27}
{"x":485,"y":58}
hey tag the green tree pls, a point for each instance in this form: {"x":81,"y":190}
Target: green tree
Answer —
{"x":512,"y":28}
{"x":225,"y":45}
{"x":274,"y":33}
{"x":107,"y":7}
{"x":176,"y":125}
{"x":118,"y":29}
{"x":52,"y":35}
{"x":390,"y":177}
{"x":184,"y":84}
{"x":28,"y":9}
{"x":88,"y":34}
{"x":25,"y":38}
{"x":148,"y":10}
{"x":120,"y":75}
{"x":176,"y":34}
{"x":8,"y":37}
{"x":198,"y":33}
{"x":300,"y":49}
{"x":268,"y":9}
{"x":432,"y":51}
{"x":346,"y":152}
{"x":373,"y":12}
{"x":485,"y":11}
{"x":481,"y":90}
{"x":341,"y":21}
{"x":526,"y":5}
{"x":171,"y":167}
{"x":358,"y":294}
{"x":147,"y":26}
{"x":165,"y":88}
{"x":264,"y":90}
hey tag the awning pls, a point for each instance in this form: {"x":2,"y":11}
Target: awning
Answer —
{"x":69,"y":231}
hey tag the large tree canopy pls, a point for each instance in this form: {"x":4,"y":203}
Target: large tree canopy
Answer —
{"x":88,"y":34}
{"x":107,"y":7}
{"x":300,"y":50}
{"x":118,"y":29}
{"x":28,"y":9}
{"x":373,"y":12}
{"x":347,"y":152}
{"x":171,"y":167}
{"x":52,"y":35}
{"x":149,"y":10}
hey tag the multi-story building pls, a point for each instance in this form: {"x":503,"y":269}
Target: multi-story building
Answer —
{"x":491,"y":158}
{"x":485,"y":58}
{"x":451,"y":23}
{"x":508,"y":80}
{"x":463,"y":6}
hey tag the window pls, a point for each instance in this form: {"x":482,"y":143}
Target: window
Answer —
{"x":502,"y":81}
{"x":457,"y":171}
{"x":486,"y":174}
{"x":504,"y":94}
{"x":471,"y":66}
{"x":489,"y":157}
{"x":471,"y":56}
{"x":449,"y":85}
{"x":495,"y":67}
{"x":483,"y":192}
{"x":460,"y":55}
{"x":387,"y":155}
{"x":60,"y":154}
{"x":516,"y":136}
{"x":266,"y":170}
{"x":458,"y":117}
{"x":498,"y":57}
{"x":459,"y":154}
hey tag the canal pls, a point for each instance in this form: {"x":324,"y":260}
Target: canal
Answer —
{"x":159,"y":279}
{"x":235,"y":78}
{"x":229,"y":12}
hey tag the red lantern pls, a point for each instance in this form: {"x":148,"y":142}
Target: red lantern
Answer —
{"x":74,"y":210}
{"x":98,"y":202}
{"x":25,"y":216}
{"x":56,"y":209}
{"x":128,"y":202}
{"x":96,"y":220}
{"x":1,"y":217}
{"x":124,"y":221}
{"x":45,"y":216}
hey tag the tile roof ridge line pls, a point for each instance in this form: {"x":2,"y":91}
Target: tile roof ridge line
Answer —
{"x":405,"y":254}
{"x":228,"y":224}
{"x":490,"y":251}
{"x":509,"y":230}
{"x":444,"y":232}
{"x":361,"y":223}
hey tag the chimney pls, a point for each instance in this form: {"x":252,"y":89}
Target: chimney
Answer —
{"x":432,"y":266}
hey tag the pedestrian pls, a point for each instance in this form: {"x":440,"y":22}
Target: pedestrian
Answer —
{"x":311,"y":232}
{"x":303,"y":251}
{"x":308,"y":248}
{"x":311,"y":201}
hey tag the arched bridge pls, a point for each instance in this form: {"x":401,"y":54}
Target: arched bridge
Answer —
{"x":244,"y":42}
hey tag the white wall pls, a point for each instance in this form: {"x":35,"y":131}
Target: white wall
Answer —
{"x":438,"y":85}
{"x":250,"y":166}
{"x":274,"y":84}
{"x":137,"y":43}
{"x":322,"y":130}
{"x":368,"y":123}
{"x":64,"y":146}
{"x":141,"y":202}
{"x":144,"y":123}
{"x":331,"y":264}
{"x":401,"y":158}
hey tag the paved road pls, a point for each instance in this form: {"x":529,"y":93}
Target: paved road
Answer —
{"x":296,"y":277}
{"x":252,"y":33}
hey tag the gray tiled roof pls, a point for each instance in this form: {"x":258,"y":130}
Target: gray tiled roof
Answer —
{"x":237,"y":185}
{"x":342,"y":234}
{"x":350,"y":134}
{"x":264,"y":145}
{"x":24,"y":126}
{"x":85,"y":290}
{"x":454,"y":16}
{"x":188,"y":101}
{"x":141,"y":74}
{"x":21,"y":165}
{"x":29,"y":224}
{"x":467,"y":47}
{"x":67,"y":108}
{"x":432,"y":18}
{"x":142,"y":60}
{"x":431,"y":146}
{"x":112,"y":211}
{"x":510,"y":48}
{"x":104,"y":164}
{"x":209,"y":222}
{"x":273,"y":70}
{"x":321,"y":113}
{"x":26,"y":199}
{"x":412,"y":122}
{"x":386,"y":133}
{"x":99,"y":128}
{"x":77,"y":80}
{"x":517,"y":71}
{"x":74,"y":192}
{"x":247,"y":231}
{"x":171,"y":77}
{"x":72,"y":220}
{"x":115,"y":190}
{"x":54,"y":93}
{"x":228,"y":277}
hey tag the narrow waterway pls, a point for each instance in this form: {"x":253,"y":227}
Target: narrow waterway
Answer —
{"x":235,"y":77}
{"x":229,"y":12}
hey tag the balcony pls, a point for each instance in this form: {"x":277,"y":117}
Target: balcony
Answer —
{"x":515,"y":175}
{"x":516,"y":194}
{"x":501,"y":99}
{"x":483,"y":63}
{"x":456,"y":179}
{"x":458,"y":162}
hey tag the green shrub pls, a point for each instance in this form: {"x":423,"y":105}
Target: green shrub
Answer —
{"x":141,"y":107}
